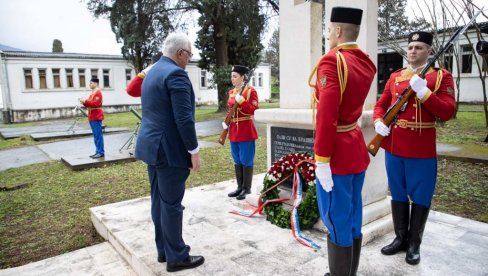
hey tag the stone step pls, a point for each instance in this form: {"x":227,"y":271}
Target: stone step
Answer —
{"x":81,"y":162}
{"x":100,"y":259}
{"x":43,"y":136}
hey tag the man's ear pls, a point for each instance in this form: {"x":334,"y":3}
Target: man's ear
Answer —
{"x":338,"y":31}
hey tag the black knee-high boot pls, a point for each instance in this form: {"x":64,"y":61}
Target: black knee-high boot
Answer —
{"x":356,"y":254}
{"x":239,"y":178}
{"x":246,"y":183}
{"x":417,"y":225}
{"x":340,"y":259}
{"x":400,"y":212}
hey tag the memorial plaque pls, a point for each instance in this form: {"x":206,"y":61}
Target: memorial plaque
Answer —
{"x":287,"y":140}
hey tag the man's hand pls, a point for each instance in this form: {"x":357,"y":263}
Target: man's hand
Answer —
{"x":239,"y":98}
{"x":82,"y":101}
{"x":324,"y":175}
{"x":195,"y":162}
{"x":224,"y":125}
{"x":419,"y":86}
{"x":381,"y":128}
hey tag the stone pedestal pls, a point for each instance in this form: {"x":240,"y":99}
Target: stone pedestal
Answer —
{"x":300,"y":49}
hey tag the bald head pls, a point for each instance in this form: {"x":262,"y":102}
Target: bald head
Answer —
{"x":350,"y":32}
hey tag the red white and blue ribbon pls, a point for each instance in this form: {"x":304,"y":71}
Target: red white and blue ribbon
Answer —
{"x":297,"y":194}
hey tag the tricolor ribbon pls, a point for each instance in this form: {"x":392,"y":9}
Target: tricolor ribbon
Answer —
{"x":297,"y":195}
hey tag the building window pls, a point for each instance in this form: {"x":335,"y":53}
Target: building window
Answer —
{"x":94,"y":73}
{"x":467,"y":58}
{"x":128,"y":76}
{"x":448,"y":60}
{"x":69,"y":78}
{"x":260,"y":79}
{"x":203,"y":79}
{"x":106,"y":77}
{"x":42,"y":79}
{"x":253,"y":80}
{"x":485,"y":63}
{"x":56,"y":78}
{"x":81,"y":74}
{"x":28,"y":78}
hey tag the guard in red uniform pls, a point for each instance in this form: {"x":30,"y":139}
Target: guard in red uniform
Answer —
{"x":134,"y":87}
{"x":242,"y":132}
{"x":95,"y":116}
{"x":410,"y":143}
{"x":344,"y":77}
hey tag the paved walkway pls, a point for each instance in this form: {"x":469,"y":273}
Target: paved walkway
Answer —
{"x":18,"y":157}
{"x":234,"y":245}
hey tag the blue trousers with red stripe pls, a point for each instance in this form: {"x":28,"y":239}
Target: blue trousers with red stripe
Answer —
{"x":97,"y":131}
{"x":341,"y":209}
{"x":413,"y":178}
{"x":243,"y":152}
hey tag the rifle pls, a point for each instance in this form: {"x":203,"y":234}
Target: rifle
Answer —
{"x":401,"y":103}
{"x":232,"y":111}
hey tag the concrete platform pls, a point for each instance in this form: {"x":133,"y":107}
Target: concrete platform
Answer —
{"x":234,"y":245}
{"x":81,"y":162}
{"x":43,"y":136}
{"x":100,"y":259}
{"x":50,"y":126}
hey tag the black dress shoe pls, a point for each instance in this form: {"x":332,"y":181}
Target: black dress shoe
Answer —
{"x":91,"y":156}
{"x":98,"y":155}
{"x":162,"y":259}
{"x":190,"y":262}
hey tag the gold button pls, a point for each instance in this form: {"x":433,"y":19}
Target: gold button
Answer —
{"x":414,"y":105}
{"x":396,"y":94}
{"x":413,"y":117}
{"x":396,"y":126}
{"x":412,"y":128}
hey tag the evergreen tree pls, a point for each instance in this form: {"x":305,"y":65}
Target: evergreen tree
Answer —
{"x":230,"y":34}
{"x":140,"y":25}
{"x":57,"y":46}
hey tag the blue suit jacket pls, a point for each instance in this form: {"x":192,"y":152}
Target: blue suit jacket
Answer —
{"x":168,"y":123}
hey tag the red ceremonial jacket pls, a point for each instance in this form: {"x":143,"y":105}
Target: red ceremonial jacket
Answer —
{"x":242,"y":127}
{"x":134,"y":88}
{"x":94,"y":105}
{"x":413,"y":134}
{"x":338,"y":139}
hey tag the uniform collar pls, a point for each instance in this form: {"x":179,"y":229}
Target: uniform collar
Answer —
{"x":347,"y":45}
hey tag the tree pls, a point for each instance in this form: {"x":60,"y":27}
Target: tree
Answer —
{"x":140,"y":25}
{"x":393,"y":23}
{"x":57,"y":46}
{"x":272,"y":54}
{"x":230,"y":34}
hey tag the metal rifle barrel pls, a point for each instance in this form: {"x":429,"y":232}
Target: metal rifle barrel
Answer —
{"x":137,"y":114}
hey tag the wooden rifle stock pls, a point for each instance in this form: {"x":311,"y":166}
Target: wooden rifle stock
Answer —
{"x":232,"y":112}
{"x":401,"y":102}
{"x":388,"y":118}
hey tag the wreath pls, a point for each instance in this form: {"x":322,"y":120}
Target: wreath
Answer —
{"x":308,"y":212}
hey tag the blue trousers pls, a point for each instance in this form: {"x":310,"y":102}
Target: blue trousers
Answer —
{"x":243,"y":152}
{"x":167,"y":191}
{"x":413,"y":178}
{"x":96,"y":127}
{"x":341,"y":209}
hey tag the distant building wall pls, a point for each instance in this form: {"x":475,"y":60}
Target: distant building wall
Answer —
{"x":37,"y":86}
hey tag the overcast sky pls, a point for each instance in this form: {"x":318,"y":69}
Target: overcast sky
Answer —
{"x":32,"y":25}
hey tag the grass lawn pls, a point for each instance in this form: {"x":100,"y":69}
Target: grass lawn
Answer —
{"x":51,"y":217}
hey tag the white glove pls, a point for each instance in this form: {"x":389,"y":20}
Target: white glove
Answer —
{"x":419,"y":85}
{"x":238,"y":98}
{"x":145,"y":71}
{"x":224,"y":125}
{"x":381,"y":128}
{"x":324,"y":175}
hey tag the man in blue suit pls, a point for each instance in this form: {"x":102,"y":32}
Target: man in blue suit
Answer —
{"x":167,"y":143}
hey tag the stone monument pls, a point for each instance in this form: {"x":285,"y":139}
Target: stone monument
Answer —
{"x":289,"y":128}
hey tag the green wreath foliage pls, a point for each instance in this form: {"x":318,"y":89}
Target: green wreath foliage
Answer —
{"x":308,"y":212}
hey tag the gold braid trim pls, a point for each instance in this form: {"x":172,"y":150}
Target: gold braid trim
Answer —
{"x":342,"y":75}
{"x":438,"y":82}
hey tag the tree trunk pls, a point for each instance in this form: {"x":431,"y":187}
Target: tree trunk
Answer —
{"x":222,"y":60}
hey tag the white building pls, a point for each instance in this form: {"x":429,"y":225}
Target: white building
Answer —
{"x":40,"y":85}
{"x":466,"y":71}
